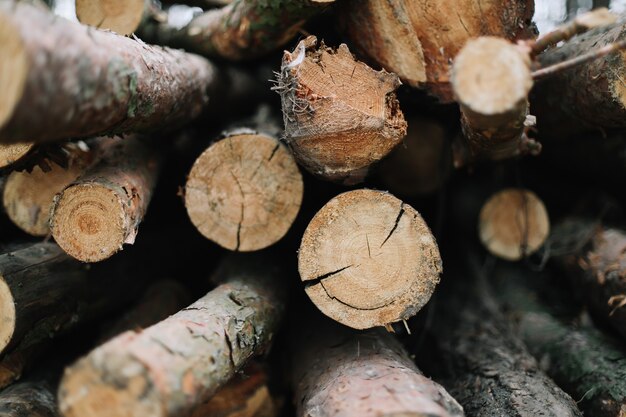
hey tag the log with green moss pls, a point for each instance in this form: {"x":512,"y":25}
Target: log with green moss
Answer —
{"x":180,"y":362}
{"x":587,"y":364}
{"x":61,"y":80}
{"x":242,"y":30}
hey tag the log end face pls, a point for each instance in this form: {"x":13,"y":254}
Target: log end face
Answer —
{"x":513,"y":224}
{"x":7,"y":314}
{"x":13,"y":67}
{"x":618,"y":88}
{"x":120,"y":16}
{"x":88,"y":221}
{"x":9,"y":154}
{"x":244,"y":192}
{"x":367,"y":259}
{"x":491,"y":76}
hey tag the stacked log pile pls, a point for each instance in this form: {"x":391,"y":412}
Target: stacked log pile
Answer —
{"x":312,"y":208}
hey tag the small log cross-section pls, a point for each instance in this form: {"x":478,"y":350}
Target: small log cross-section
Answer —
{"x":340,"y":115}
{"x":179,"y":363}
{"x":513,"y":224}
{"x":368,"y":259}
{"x":244,"y":191}
{"x":491,"y":79}
{"x":120,"y":16}
{"x":10,"y":154}
{"x":111,"y":84}
{"x":339,"y":374}
{"x":95,"y":215}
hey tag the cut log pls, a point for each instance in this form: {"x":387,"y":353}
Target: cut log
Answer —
{"x":368,"y":259}
{"x":491,"y":80}
{"x":513,"y":224}
{"x":112,"y":84}
{"x":421,"y":163}
{"x":484,"y":365}
{"x":343,"y":374}
{"x":29,"y":399}
{"x":340,"y":115}
{"x":419,"y":40}
{"x":95,"y":215}
{"x":242,"y":30}
{"x":10,"y":154}
{"x":591,"y":96}
{"x":244,"y":191}
{"x":179,"y":363}
{"x":120,"y":16}
{"x":28,"y":196}
{"x":586,"y":364}
{"x":43,"y":292}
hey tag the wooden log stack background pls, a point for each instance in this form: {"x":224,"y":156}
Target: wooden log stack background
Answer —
{"x":312,"y":208}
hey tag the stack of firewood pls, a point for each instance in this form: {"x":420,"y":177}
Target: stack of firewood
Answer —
{"x":415,"y":211}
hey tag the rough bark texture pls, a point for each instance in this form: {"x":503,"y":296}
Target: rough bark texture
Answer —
{"x":418,"y":40}
{"x":44,"y":292}
{"x":491,"y":80}
{"x":242,"y":30}
{"x":586,"y":364}
{"x":368,"y":259}
{"x":175,"y":365}
{"x":483,"y":364}
{"x":341,"y":374}
{"x":244,"y":191}
{"x":110,"y":84}
{"x":340,"y":115}
{"x":591,"y":96}
{"x":597,"y":267}
{"x":99,"y":212}
{"x":513,"y":224}
{"x":29,"y":399}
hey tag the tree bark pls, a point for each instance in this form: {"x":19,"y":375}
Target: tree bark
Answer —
{"x":111,"y":84}
{"x":368,"y":259}
{"x":340,"y":115}
{"x":242,"y":30}
{"x":591,"y":96}
{"x":177,"y":364}
{"x":513,"y":224}
{"x":342,"y":374}
{"x":419,"y":40}
{"x":586,"y":364}
{"x":29,"y":399}
{"x":245,"y":190}
{"x":95,"y":215}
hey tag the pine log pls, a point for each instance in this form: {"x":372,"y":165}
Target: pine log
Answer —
{"x":587,"y":97}
{"x":340,"y":115}
{"x":95,"y":215}
{"x":29,"y":399}
{"x":513,"y":224}
{"x":491,"y":79}
{"x":120,"y":16}
{"x":596,"y":267}
{"x":111,"y":84}
{"x":244,"y":191}
{"x":421,"y":163}
{"x":479,"y":359}
{"x":180,"y":362}
{"x":10,"y":154}
{"x":28,"y":196}
{"x":343,"y":374}
{"x":242,"y":30}
{"x":586,"y":364}
{"x":419,"y":40}
{"x":43,"y":292}
{"x":368,"y":259}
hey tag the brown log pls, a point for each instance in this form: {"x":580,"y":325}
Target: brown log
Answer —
{"x":513,"y":224}
{"x":95,"y":215}
{"x":418,"y":40}
{"x":244,"y":191}
{"x":368,"y":259}
{"x":342,"y":374}
{"x":10,"y":154}
{"x":242,"y":30}
{"x":29,"y":399}
{"x":110,"y":84}
{"x":43,"y":292}
{"x":421,"y":163}
{"x":340,"y":115}
{"x":177,"y":364}
{"x":28,"y":196}
{"x":120,"y":16}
